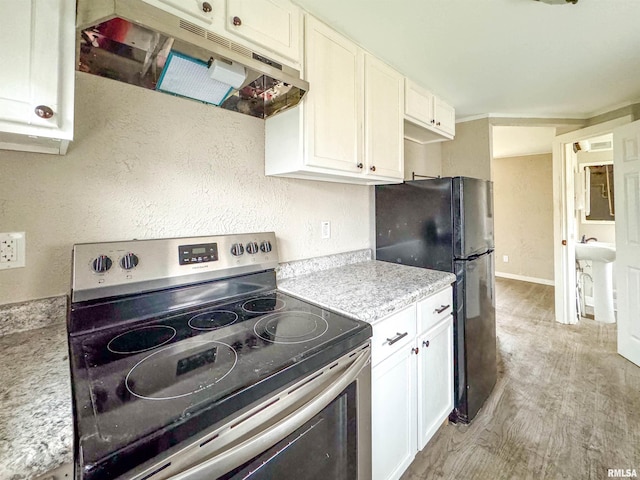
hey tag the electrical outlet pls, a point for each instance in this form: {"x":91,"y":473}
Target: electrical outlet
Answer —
{"x":505,"y":258}
{"x":326,"y":229}
{"x":12,"y":250}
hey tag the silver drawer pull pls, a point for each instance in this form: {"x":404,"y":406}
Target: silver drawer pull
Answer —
{"x":442,"y":308}
{"x":399,"y":336}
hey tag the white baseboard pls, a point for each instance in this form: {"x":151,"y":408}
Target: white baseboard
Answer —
{"x":525,"y":279}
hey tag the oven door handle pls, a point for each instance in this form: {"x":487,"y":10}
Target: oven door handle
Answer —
{"x":226,"y":461}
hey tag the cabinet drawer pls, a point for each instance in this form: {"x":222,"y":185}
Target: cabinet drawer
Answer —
{"x":433,"y":309}
{"x":393,"y":333}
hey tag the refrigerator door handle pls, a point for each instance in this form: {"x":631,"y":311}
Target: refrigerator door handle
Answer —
{"x":475,"y":256}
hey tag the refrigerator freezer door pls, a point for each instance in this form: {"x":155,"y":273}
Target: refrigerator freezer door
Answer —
{"x":474,"y":335}
{"x":414,"y":224}
{"x":472,"y":216}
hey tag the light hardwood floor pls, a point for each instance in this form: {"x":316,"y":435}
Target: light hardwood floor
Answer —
{"x":566,"y":405}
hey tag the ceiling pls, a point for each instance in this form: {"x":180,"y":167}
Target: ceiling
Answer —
{"x":503,"y":57}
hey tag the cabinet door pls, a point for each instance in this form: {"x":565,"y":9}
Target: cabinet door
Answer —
{"x":201,"y":12}
{"x":272,"y":24}
{"x":435,"y":379}
{"x":393,"y":415}
{"x":418,"y":104}
{"x":333,"y":107}
{"x":37,"y":67}
{"x":384,"y":137}
{"x":445,"y":116}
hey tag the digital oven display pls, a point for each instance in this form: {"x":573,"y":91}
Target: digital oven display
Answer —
{"x":205,"y":252}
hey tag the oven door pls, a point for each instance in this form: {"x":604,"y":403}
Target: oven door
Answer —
{"x":320,"y":427}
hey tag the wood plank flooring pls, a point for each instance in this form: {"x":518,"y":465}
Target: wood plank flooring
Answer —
{"x":566,"y":405}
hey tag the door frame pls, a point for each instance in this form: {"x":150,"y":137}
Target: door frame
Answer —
{"x":564,"y":223}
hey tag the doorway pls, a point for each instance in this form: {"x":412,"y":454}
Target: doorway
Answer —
{"x":566,"y":224}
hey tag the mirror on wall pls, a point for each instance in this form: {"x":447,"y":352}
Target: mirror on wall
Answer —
{"x":599,"y":193}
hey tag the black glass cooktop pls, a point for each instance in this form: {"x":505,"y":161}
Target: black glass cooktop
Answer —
{"x":146,"y":385}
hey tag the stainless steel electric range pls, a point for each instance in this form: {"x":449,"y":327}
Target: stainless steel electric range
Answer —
{"x":188,"y":363}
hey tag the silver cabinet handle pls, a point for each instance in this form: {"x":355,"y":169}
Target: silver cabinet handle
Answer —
{"x":399,"y":336}
{"x":442,"y":308}
{"x":228,"y":460}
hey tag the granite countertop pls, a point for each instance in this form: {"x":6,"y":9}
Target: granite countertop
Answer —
{"x":368,"y":290}
{"x":36,"y":425}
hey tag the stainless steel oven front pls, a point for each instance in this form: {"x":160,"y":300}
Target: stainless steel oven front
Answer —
{"x":188,"y":363}
{"x":319,"y":427}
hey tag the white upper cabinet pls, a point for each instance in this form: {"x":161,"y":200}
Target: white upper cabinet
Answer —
{"x":272,"y":24}
{"x":428,"y":118}
{"x":333,"y":105}
{"x":445,"y":117}
{"x":202,"y":13}
{"x":349,"y":126}
{"x":418,"y":104}
{"x":37,"y":75}
{"x":384,"y":93}
{"x":269,"y":27}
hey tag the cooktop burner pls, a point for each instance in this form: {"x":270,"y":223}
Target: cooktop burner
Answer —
{"x":212,"y":320}
{"x":189,"y":367}
{"x":290,"y":327}
{"x":264,"y":305}
{"x":141,"y":339}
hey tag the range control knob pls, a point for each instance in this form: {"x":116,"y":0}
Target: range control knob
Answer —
{"x":129,"y":261}
{"x":237,"y":249}
{"x":265,"y":246}
{"x":101,"y":264}
{"x":252,"y":248}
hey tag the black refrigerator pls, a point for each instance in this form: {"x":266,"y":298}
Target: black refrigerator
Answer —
{"x":447,"y":224}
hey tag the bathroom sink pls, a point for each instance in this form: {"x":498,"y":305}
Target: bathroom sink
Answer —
{"x":602,"y":256}
{"x":596,"y":251}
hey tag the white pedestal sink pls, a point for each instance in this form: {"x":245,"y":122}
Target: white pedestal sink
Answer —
{"x":601,"y":256}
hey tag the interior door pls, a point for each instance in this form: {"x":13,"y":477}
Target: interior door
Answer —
{"x":626,"y":158}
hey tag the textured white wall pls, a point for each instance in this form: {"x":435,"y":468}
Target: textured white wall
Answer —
{"x":511,"y":141}
{"x":148,"y":165}
{"x":469,"y":153}
{"x":523,"y":202}
{"x":422,"y":159}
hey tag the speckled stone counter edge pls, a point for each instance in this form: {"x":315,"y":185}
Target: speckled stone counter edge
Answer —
{"x":317,"y":264}
{"x":32,"y":314}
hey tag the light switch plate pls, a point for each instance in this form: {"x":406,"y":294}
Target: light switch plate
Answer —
{"x":326,"y":229}
{"x":12,"y":250}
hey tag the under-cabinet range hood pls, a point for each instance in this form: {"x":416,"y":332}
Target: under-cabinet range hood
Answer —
{"x":136,"y":43}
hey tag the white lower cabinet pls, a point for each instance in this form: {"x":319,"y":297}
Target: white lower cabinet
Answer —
{"x":393,"y":409}
{"x":435,"y":379}
{"x":412,"y":382}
